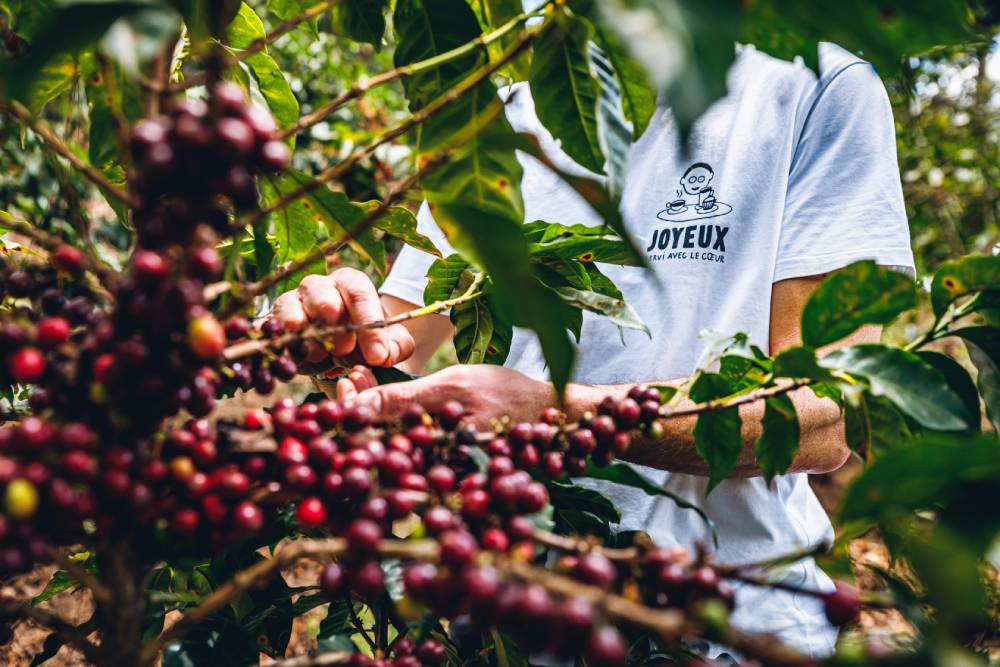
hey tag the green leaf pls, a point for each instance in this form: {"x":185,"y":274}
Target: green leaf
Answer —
{"x":569,"y":496}
{"x":59,"y":581}
{"x":299,"y":224}
{"x":55,"y":78}
{"x":638,"y":97}
{"x":717,"y":434}
{"x":685,"y":47}
{"x":492,"y":14}
{"x":581,"y":243}
{"x":874,"y":426}
{"x":402,"y":224}
{"x":626,"y":475}
{"x":565,"y":92}
{"x":205,"y":18}
{"x":962,"y":277}
{"x":595,"y":193}
{"x":800,"y":363}
{"x":63,"y":31}
{"x":882,"y":32}
{"x":862,"y":293}
{"x":916,"y":388}
{"x":443,"y":278}
{"x":959,"y":380}
{"x":615,"y":310}
{"x":428,"y":28}
{"x":580,"y":523}
{"x":337,"y":620}
{"x":245,"y":29}
{"x":983,"y":344}
{"x":779,"y":441}
{"x":361,"y":20}
{"x":929,"y":472}
{"x":481,"y":335}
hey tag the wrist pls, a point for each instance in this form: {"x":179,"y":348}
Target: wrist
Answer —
{"x":582,"y":398}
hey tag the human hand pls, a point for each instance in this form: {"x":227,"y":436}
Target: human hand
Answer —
{"x":487,"y":392}
{"x":345,"y":296}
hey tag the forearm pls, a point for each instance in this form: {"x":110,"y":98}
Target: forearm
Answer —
{"x":822,"y":447}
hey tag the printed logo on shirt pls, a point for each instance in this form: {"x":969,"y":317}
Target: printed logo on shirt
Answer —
{"x":695,"y":201}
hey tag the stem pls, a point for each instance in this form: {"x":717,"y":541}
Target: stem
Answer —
{"x":722,"y":403}
{"x":65,"y":630}
{"x":361,"y":87}
{"x":260,"y":572}
{"x":257,"y":45}
{"x":246,"y":294}
{"x":24,"y":116}
{"x":358,"y":625}
{"x":51,"y":242}
{"x":583,"y":545}
{"x":101,"y":594}
{"x":421,"y":116}
{"x":247,"y":348}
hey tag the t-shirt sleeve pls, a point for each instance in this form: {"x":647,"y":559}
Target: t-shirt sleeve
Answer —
{"x":408,"y":276}
{"x":845,"y":200}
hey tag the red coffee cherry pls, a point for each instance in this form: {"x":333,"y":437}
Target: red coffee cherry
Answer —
{"x":331,"y":580}
{"x":311,"y":513}
{"x":27,"y":365}
{"x":605,"y":648}
{"x":363,"y":536}
{"x":248,"y":518}
{"x":843,"y":604}
{"x":67,"y":258}
{"x":595,"y":569}
{"x":457,"y":547}
{"x":52,"y":332}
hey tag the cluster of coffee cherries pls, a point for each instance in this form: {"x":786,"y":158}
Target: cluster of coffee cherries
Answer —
{"x":197,"y":163}
{"x":403,"y":652}
{"x":42,"y":502}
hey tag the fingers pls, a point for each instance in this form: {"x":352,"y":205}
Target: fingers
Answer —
{"x":288,"y":310}
{"x":358,"y":379}
{"x":321,"y":300}
{"x":364,"y":307}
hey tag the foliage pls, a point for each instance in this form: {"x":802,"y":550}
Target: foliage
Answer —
{"x":78,"y":77}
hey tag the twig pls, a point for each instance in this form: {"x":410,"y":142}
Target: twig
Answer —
{"x":247,"y":293}
{"x":582,"y":545}
{"x":249,"y":347}
{"x":257,"y":45}
{"x":358,"y":625}
{"x":362,"y":86}
{"x":419,"y":117}
{"x":101,"y":594}
{"x":50,"y":242}
{"x":259,"y":573}
{"x":48,"y":136}
{"x":666,"y":412}
{"x":65,"y":630}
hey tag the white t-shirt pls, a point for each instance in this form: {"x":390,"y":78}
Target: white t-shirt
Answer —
{"x":789,"y":175}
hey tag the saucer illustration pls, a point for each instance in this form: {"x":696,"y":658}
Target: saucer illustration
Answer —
{"x":698,"y":212}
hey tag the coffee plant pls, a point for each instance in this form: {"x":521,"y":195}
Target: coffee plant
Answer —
{"x":440,"y":544}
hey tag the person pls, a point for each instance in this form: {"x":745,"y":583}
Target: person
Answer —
{"x":807,"y":163}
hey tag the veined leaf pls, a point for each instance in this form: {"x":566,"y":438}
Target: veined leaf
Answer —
{"x":402,"y":224}
{"x":717,"y":434}
{"x":799,"y":362}
{"x":241,"y":33}
{"x":983,"y":344}
{"x":685,"y":47}
{"x":862,"y":293}
{"x":443,"y":278}
{"x":361,"y":20}
{"x":565,"y":92}
{"x":874,"y":426}
{"x":960,"y":382}
{"x":578,"y":242}
{"x":62,"y":31}
{"x":962,"y":277}
{"x":481,"y":336}
{"x":778,"y":443}
{"x":916,"y":388}
{"x":565,"y":496}
{"x":615,"y":310}
{"x":428,"y":28}
{"x":638,"y":97}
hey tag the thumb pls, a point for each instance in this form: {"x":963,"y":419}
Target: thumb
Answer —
{"x":389,"y":401}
